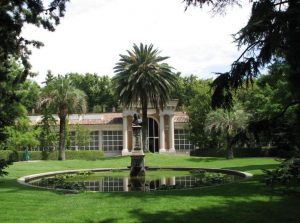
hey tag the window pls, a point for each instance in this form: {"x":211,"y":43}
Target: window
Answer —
{"x":73,"y":145}
{"x":181,"y":141}
{"x":112,"y":140}
{"x":91,"y":144}
{"x":94,"y":141}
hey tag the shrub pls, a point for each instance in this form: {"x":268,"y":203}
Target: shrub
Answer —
{"x":70,"y":155}
{"x":5,"y":154}
{"x":4,"y":164}
{"x":288,"y":173}
{"x":6,"y":158}
{"x":51,"y":155}
{"x":238,"y":152}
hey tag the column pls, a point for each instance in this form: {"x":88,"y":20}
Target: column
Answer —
{"x":173,"y":181}
{"x":171,"y":133}
{"x":162,"y":181}
{"x":125,"y":136}
{"x":162,"y":148}
{"x":125,"y":183}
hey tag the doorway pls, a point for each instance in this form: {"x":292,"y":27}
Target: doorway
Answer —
{"x":152,"y":139}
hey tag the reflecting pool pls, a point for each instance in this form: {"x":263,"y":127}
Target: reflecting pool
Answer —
{"x":120,"y":180}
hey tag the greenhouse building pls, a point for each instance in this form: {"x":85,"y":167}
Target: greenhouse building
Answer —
{"x":112,"y":133}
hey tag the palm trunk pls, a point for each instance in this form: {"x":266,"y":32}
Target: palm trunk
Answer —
{"x":145,"y":127}
{"x":229,"y":148}
{"x":61,"y":146}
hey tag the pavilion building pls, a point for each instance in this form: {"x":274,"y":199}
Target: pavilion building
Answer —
{"x":112,"y":133}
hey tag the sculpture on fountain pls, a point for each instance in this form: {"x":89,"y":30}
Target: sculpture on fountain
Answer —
{"x":137,"y":167}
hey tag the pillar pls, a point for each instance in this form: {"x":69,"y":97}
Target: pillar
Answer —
{"x":171,"y":133}
{"x":125,"y":184}
{"x":162,"y":148}
{"x":125,"y":137}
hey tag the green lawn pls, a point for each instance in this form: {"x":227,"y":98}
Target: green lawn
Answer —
{"x":248,"y":201}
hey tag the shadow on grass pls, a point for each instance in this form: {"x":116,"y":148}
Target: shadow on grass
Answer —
{"x":269,"y":210}
{"x":285,"y":210}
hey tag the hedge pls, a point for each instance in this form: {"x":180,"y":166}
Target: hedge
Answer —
{"x":7,"y":154}
{"x":238,"y":152}
{"x":46,"y":155}
{"x":244,"y":152}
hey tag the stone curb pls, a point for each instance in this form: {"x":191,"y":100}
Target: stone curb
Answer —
{"x":25,"y":179}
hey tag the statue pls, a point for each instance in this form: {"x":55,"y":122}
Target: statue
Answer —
{"x":137,"y":121}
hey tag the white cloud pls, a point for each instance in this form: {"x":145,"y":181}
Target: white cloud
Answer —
{"x":94,"y":33}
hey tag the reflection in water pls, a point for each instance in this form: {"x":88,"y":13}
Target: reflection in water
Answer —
{"x":127,"y":183}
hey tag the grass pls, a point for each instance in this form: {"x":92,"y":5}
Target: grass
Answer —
{"x":247,"y":201}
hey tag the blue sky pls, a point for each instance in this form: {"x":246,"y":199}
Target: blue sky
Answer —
{"x":94,"y":32}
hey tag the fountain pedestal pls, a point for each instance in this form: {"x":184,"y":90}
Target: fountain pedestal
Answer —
{"x":137,"y":167}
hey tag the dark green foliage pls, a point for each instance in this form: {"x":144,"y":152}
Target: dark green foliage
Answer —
{"x":14,"y":14}
{"x":10,"y":97}
{"x":29,"y":93}
{"x":272,"y":31}
{"x":5,"y":154}
{"x":238,"y":152}
{"x":197,"y":101}
{"x":288,"y":173}
{"x":6,"y":159}
{"x":61,"y":182}
{"x":273,"y":116}
{"x":48,"y":132}
{"x":70,"y":155}
{"x":21,"y":135}
{"x":4,"y":164}
{"x":98,"y":89}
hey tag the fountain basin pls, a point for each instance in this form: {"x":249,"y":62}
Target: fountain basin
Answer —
{"x":119,"y":179}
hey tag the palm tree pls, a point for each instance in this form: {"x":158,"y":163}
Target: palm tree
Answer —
{"x":140,"y":78}
{"x":63,"y":98}
{"x":229,"y":122}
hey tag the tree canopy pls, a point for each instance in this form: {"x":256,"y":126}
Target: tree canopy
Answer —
{"x":271,"y":34}
{"x":63,"y":98}
{"x":15,"y":49}
{"x":142,"y":79}
{"x":272,"y":31}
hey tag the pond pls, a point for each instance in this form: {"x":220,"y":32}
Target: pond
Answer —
{"x":119,"y":180}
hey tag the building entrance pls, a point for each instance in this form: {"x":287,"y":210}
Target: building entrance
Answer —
{"x":152,"y":139}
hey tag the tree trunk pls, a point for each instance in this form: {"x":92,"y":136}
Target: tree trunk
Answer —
{"x":61,"y":146}
{"x":229,"y":148}
{"x":145,"y":127}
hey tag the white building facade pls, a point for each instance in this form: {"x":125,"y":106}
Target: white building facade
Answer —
{"x":112,"y":132}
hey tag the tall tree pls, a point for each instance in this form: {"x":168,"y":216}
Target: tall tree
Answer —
{"x":273,"y":30}
{"x":197,"y":98}
{"x":63,"y":98}
{"x":229,"y":122}
{"x":14,"y":14}
{"x":98,"y":89}
{"x":141,"y":78}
